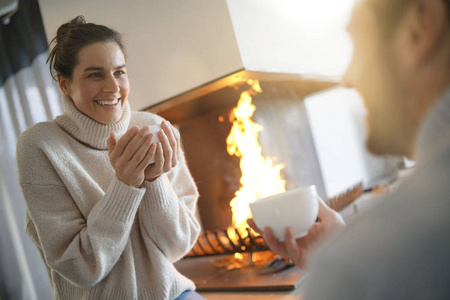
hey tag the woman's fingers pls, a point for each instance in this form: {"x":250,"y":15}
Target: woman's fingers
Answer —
{"x":174,"y":139}
{"x":122,"y":143}
{"x":148,"y":155}
{"x":178,"y":148}
{"x":131,"y":154}
{"x":111,"y":142}
{"x":141,"y":155}
{"x":135,"y":143}
{"x":159,"y":157}
{"x":156,"y":169}
{"x":167,"y":128}
{"x":167,"y":150}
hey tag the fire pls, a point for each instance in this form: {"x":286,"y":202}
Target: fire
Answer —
{"x":260,"y":178}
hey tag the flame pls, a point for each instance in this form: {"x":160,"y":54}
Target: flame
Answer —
{"x":260,"y":178}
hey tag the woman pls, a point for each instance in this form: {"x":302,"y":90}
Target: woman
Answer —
{"x":107,"y":223}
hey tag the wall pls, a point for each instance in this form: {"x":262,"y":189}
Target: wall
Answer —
{"x":173,"y":46}
{"x":293,"y":36}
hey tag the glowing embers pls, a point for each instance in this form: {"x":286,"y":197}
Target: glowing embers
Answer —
{"x":220,"y":242}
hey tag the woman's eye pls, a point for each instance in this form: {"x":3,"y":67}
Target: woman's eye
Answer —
{"x":95,"y":75}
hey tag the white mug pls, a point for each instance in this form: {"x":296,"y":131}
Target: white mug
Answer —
{"x":155,"y":128}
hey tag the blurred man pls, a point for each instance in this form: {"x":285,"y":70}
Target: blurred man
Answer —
{"x":401,"y":249}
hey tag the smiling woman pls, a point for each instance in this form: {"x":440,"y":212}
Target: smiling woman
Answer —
{"x":108,"y":222}
{"x":92,"y":80}
{"x":99,"y":85}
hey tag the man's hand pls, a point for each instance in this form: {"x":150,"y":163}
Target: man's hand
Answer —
{"x":300,"y":249}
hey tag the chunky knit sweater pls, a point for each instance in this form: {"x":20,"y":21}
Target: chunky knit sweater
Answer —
{"x":98,"y":237}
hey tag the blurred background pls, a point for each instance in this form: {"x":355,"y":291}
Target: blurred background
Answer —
{"x":185,"y":56}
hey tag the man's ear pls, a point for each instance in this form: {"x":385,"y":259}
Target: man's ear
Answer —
{"x":422,"y":27}
{"x":63,"y":83}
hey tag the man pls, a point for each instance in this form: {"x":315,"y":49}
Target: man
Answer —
{"x":401,"y":249}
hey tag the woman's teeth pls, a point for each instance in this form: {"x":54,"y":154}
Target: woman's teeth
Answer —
{"x":106,"y":102}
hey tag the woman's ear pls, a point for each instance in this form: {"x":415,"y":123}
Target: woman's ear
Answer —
{"x":63,"y":83}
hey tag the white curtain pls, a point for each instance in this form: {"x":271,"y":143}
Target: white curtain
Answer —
{"x":28,"y":95}
{"x":26,"y":98}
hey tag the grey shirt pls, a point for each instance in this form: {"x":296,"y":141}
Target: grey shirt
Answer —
{"x":401,"y":249}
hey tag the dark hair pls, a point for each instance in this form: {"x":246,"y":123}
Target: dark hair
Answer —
{"x":447,"y":3}
{"x":71,"y":37}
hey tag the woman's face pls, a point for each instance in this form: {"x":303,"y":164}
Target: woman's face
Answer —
{"x":99,"y":86}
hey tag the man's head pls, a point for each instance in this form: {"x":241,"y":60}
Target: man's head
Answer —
{"x":400,"y":65}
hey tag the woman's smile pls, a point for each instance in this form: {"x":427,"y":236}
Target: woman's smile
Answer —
{"x":110,"y":103}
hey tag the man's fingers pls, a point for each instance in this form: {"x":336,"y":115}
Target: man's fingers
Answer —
{"x":324,"y":209}
{"x":272,"y":241}
{"x":252,"y":224}
{"x":315,"y":229}
{"x":292,"y":248}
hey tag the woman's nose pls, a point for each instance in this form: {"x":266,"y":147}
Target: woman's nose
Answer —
{"x":111,"y":85}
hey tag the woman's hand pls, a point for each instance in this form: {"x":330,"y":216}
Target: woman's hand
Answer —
{"x":300,"y":249}
{"x":167,"y":154}
{"x":131,"y":154}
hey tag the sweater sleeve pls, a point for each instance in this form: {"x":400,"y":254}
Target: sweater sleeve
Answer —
{"x":167,"y":213}
{"x":81,"y":248}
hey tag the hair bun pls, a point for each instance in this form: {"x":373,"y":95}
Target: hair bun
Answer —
{"x":64,"y":29}
{"x":78,"y":20}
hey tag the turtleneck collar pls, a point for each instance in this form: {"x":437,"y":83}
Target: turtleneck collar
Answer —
{"x":87,"y":130}
{"x":434,"y":134}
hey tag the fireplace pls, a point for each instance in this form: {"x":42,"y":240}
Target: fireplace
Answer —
{"x":202,"y":116}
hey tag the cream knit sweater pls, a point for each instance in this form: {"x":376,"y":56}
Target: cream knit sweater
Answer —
{"x":98,"y":237}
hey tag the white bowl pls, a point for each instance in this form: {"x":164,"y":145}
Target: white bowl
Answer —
{"x":296,"y":208}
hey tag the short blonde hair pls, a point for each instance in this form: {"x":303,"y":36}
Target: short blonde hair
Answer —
{"x":390,"y":12}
